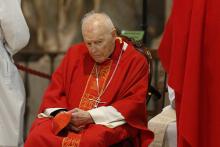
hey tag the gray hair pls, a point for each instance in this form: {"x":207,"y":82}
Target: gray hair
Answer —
{"x":93,"y":15}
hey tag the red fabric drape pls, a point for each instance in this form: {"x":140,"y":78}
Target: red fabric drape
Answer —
{"x":189,"y":52}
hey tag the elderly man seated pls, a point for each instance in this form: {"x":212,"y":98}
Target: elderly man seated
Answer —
{"x":96,"y":97}
{"x":164,"y":125}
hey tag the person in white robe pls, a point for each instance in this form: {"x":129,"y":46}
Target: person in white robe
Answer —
{"x":14,"y":35}
{"x":164,"y":124}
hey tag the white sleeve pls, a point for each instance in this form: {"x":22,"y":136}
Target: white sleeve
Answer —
{"x":108,"y":116}
{"x":13,"y":25}
{"x":171,"y":95}
{"x":47,"y":112}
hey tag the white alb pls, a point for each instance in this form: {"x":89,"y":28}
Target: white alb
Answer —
{"x":14,"y":35}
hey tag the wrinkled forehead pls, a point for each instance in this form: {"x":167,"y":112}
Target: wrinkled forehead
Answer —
{"x":95,"y":25}
{"x":94,"y":31}
{"x":94,"y":35}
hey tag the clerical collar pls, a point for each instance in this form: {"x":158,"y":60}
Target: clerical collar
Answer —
{"x":118,"y":46}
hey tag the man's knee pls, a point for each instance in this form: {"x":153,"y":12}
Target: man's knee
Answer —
{"x":33,"y":138}
{"x":93,"y":141}
{"x":40,"y":134}
{"x":95,"y":137}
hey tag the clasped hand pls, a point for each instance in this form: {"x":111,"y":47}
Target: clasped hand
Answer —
{"x":79,"y":120}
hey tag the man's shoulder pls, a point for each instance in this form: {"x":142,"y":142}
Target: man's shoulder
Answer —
{"x":136,"y":54}
{"x":77,"y":50}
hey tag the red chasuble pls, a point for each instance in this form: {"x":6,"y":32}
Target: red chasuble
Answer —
{"x":73,"y":85}
{"x":190,"y":52}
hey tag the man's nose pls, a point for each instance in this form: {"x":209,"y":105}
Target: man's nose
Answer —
{"x":93,"y":48}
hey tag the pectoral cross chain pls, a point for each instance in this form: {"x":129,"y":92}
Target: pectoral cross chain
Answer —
{"x":97,"y":102}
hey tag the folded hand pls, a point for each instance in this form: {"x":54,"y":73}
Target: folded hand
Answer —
{"x":80,"y":118}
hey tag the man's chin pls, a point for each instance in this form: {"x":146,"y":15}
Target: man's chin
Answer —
{"x":100,"y":60}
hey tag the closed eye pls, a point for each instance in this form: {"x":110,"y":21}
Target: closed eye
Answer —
{"x":89,"y":43}
{"x":98,"y":42}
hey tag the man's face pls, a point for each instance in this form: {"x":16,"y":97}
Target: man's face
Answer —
{"x":100,"y":43}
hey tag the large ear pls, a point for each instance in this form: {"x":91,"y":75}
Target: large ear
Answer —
{"x":114,"y":33}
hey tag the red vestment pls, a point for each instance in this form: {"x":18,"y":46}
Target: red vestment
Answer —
{"x":190,"y":52}
{"x":73,"y":79}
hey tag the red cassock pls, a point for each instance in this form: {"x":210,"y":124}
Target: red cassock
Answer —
{"x":72,"y":85}
{"x":190,"y":51}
